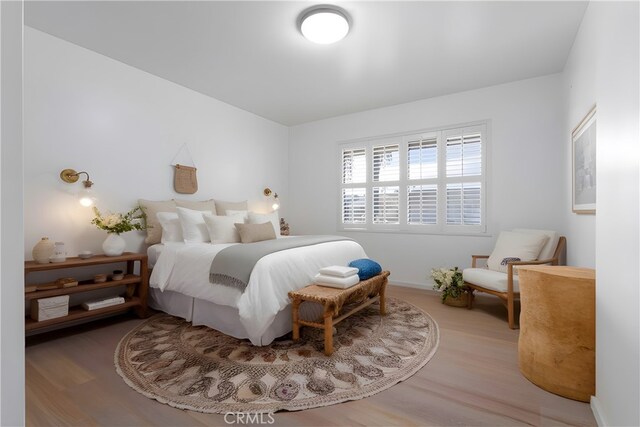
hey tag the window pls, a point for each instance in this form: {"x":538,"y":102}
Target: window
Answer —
{"x":430,"y":182}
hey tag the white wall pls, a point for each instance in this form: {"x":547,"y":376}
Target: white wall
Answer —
{"x":603,"y":69}
{"x":124,"y":126}
{"x":11,"y":230}
{"x":579,"y":91}
{"x":526,"y":164}
{"x":618,"y":212}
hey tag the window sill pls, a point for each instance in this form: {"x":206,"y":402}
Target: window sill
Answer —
{"x":416,"y":233}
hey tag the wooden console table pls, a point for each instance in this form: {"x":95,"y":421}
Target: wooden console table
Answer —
{"x":135,"y":298}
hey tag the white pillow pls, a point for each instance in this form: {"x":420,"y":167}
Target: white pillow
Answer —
{"x":222,"y":229}
{"x":273,"y":217}
{"x":194,"y":230}
{"x":171,"y":227}
{"x":150,"y":209}
{"x":241,"y":213}
{"x":525,"y":246}
{"x":549,"y":249}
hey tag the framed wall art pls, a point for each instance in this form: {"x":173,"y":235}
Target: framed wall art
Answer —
{"x":583,"y":154}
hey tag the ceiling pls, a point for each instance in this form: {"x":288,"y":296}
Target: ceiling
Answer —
{"x":251,"y":54}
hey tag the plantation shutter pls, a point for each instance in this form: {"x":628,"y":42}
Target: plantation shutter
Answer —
{"x":386,"y":163}
{"x":464,"y":155}
{"x":428,"y":182}
{"x":354,"y":176}
{"x":422,"y":158}
{"x":464,"y":203}
{"x":385,"y":199}
{"x":354,"y":205}
{"x":464,"y":175}
{"x":386,"y":205}
{"x":422,"y":204}
{"x":354,"y":166}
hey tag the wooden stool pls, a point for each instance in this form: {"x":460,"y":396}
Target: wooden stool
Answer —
{"x":332,"y":299}
{"x":556,"y":349}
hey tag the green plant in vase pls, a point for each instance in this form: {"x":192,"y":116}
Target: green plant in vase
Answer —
{"x":449,"y":281}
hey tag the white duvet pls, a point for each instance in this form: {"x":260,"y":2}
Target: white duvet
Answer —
{"x":185,"y":268}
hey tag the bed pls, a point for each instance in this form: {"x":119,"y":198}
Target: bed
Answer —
{"x":179,"y":285}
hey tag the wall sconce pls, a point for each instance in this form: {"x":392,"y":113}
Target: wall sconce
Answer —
{"x":85,"y":196}
{"x":276,"y":201}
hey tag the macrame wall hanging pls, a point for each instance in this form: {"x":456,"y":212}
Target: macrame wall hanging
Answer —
{"x":185,"y":180}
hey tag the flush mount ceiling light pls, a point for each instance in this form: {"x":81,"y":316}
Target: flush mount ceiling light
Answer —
{"x":324,"y":24}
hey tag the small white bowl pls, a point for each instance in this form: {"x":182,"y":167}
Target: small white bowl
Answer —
{"x":85,"y":254}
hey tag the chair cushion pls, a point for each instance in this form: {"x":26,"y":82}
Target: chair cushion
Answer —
{"x":489,"y":279}
{"x":526,"y":246}
{"x":549,"y":248}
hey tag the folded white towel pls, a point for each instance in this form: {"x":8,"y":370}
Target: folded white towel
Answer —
{"x":338,"y":271}
{"x":337,"y":282}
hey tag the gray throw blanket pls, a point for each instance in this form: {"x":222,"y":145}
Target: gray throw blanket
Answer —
{"x":232,"y":266}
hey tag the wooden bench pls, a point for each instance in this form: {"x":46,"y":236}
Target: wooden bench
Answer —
{"x":364,"y":293}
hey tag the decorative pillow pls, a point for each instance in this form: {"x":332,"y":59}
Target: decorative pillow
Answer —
{"x":150,"y":210}
{"x":222,"y":229}
{"x":367,"y":268}
{"x":171,"y":227}
{"x":250,"y":233}
{"x":273,"y":218}
{"x":244,"y":215}
{"x":549,"y":249}
{"x":525,"y":246}
{"x":221,"y":207}
{"x":194,"y":229}
{"x":205,"y":205}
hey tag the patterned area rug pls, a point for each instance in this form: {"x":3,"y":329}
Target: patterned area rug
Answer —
{"x":198,"y":368}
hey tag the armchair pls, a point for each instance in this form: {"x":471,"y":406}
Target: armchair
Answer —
{"x":513,"y":249}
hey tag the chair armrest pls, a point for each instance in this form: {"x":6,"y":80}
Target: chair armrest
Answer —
{"x":552,"y":261}
{"x":475,"y":258}
{"x":511,"y":264}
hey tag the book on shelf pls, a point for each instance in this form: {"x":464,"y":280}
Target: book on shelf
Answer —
{"x":102,"y":303}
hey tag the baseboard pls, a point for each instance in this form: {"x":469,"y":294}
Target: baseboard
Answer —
{"x":598,"y":412}
{"x":421,"y":286}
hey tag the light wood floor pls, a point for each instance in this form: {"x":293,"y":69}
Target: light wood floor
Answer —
{"x":473,"y":379}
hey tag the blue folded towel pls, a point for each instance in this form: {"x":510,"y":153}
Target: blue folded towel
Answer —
{"x":367,"y":268}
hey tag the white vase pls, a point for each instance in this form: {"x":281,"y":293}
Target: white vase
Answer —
{"x":43,"y":250}
{"x":113,"y":245}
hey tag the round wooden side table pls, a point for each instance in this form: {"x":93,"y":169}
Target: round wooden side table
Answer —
{"x":556,"y":349}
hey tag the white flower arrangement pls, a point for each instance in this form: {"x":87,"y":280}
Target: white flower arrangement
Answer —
{"x":119,"y":223}
{"x":449,"y":281}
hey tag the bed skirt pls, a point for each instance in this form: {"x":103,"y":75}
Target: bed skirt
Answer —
{"x":224,"y":318}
